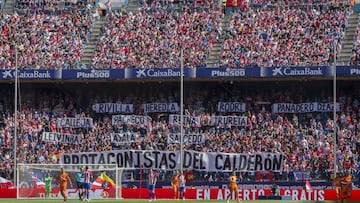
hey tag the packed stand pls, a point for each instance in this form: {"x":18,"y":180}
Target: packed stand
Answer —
{"x":355,"y":57}
{"x":153,"y":37}
{"x":305,"y":139}
{"x":44,"y":41}
{"x":52,"y":6}
{"x":280,"y":35}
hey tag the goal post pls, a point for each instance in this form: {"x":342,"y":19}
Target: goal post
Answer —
{"x":106,"y":181}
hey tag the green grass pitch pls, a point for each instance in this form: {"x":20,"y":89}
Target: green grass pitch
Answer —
{"x":147,"y":201}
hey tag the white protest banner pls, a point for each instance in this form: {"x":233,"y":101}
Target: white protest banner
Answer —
{"x":188,"y":138}
{"x":231,"y":107}
{"x":75,"y":122}
{"x":228,"y":121}
{"x":170,"y":160}
{"x":113,"y":108}
{"x":61,"y":138}
{"x":123,"y":137}
{"x":130,"y":120}
{"x":192,"y":121}
{"x":304,"y":107}
{"x":160,"y":107}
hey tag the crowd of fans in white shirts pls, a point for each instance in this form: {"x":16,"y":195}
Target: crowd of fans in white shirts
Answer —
{"x":305,"y":139}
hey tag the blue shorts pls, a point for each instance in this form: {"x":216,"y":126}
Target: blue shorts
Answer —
{"x":182,"y":188}
{"x":151,"y":187}
{"x":87,"y":186}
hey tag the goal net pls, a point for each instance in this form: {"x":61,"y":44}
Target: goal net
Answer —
{"x":105,"y":183}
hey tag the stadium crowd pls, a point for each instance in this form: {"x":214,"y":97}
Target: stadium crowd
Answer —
{"x":52,"y":34}
{"x":266,"y":33}
{"x":279,"y":35}
{"x":46,"y":41}
{"x":355,"y":57}
{"x":305,"y":138}
{"x":51,"y":5}
{"x":153,"y":37}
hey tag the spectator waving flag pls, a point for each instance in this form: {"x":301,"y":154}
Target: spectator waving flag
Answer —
{"x":308,"y":185}
{"x":102,"y":180}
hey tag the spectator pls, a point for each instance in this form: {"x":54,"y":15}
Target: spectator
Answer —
{"x":307,"y":145}
{"x":51,"y":5}
{"x":44,"y":41}
{"x":283,"y":36}
{"x":355,"y":57}
{"x":153,"y":37}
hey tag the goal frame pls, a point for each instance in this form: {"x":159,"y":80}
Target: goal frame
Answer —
{"x":21,"y":167}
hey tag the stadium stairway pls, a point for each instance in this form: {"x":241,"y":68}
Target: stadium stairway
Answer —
{"x":214,"y":55}
{"x":9,"y":7}
{"x":96,"y":32}
{"x":91,"y":45}
{"x":348,"y":41}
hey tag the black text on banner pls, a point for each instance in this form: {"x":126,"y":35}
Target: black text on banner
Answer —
{"x":304,"y":107}
{"x":188,"y":138}
{"x":231,"y":107}
{"x":113,"y":108}
{"x":75,"y":122}
{"x":123,"y":137}
{"x":160,"y":107}
{"x":61,"y":138}
{"x":170,"y":160}
{"x":192,"y":121}
{"x":249,"y":162}
{"x":130,"y":120}
{"x":228,"y":121}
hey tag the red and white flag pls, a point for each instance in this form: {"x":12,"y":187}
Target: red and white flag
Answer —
{"x":4,"y":183}
{"x":37,"y":182}
{"x":308,"y":185}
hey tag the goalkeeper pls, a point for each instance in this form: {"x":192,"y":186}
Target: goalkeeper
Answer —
{"x":48,"y":179}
